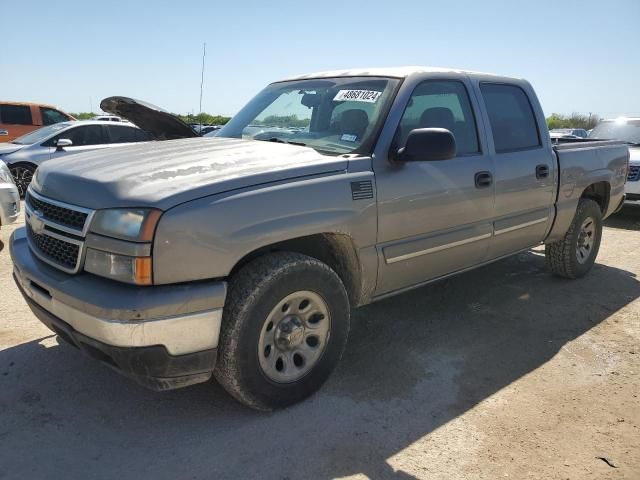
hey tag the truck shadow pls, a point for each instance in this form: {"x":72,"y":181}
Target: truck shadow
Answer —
{"x":627,"y":219}
{"x":414,"y":362}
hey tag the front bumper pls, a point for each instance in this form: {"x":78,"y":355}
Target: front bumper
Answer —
{"x":9,"y":203}
{"x":162,"y":336}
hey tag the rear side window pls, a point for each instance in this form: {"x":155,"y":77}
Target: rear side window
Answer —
{"x":51,"y":116}
{"x":80,"y":136}
{"x":121,"y":134}
{"x":142,"y":136}
{"x":441,"y":104}
{"x":15,"y":114}
{"x":512,"y":120}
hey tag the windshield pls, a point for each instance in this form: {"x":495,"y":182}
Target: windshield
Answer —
{"x":41,"y":134}
{"x":333,"y":116}
{"x":625,"y":130}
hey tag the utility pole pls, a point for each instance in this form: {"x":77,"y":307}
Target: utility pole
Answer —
{"x":204,"y":52}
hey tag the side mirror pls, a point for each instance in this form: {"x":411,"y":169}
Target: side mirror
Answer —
{"x":428,"y":144}
{"x":61,"y":143}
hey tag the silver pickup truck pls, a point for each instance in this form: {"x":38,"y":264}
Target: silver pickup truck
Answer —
{"x":240,"y":256}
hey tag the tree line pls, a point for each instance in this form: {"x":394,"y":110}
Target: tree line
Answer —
{"x":556,"y":120}
{"x":202,"y":118}
{"x":575,"y":120}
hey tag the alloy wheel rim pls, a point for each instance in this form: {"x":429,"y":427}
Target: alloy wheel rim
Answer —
{"x":294,"y":336}
{"x":22,"y":178}
{"x":586,"y":239}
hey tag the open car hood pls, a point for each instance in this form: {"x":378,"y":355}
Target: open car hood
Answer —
{"x":160,"y":124}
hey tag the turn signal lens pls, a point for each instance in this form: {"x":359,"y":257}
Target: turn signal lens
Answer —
{"x":142,"y":270}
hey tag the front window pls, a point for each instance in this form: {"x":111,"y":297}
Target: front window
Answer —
{"x":333,"y":116}
{"x":39,"y":135}
{"x":51,"y":116}
{"x":622,"y":129}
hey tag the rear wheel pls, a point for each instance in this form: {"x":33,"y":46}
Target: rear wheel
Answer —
{"x":22,"y":175}
{"x":573,"y":256}
{"x":284,"y":328}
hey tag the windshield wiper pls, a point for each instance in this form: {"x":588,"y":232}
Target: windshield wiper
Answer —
{"x":280,"y":140}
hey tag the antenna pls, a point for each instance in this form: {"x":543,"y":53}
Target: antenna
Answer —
{"x":204,"y":52}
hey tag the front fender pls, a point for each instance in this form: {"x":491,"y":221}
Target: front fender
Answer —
{"x":205,"y":238}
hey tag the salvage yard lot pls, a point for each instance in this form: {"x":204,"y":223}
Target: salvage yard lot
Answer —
{"x":501,"y":372}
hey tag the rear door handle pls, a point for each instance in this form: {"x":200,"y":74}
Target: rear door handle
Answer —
{"x":542,"y":171}
{"x":483,"y":179}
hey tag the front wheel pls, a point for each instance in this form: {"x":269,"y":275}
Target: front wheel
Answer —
{"x":284,"y":328}
{"x":22,"y":175}
{"x":573,"y":256}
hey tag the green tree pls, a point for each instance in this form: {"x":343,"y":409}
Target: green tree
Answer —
{"x":575,"y":120}
{"x":204,"y":118}
{"x":284,"y":121}
{"x":83,"y":115}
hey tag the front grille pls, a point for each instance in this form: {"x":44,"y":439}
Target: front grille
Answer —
{"x":60,"y":215}
{"x":634,"y":173}
{"x":56,"y":250}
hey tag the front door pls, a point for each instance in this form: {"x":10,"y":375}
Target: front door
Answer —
{"x":83,"y":138}
{"x":435,"y":217}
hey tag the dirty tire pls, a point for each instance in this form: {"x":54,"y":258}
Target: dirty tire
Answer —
{"x":562,"y":256}
{"x":253,"y":292}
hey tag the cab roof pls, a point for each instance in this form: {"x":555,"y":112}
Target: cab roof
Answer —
{"x":28,"y":104}
{"x":395,"y":72}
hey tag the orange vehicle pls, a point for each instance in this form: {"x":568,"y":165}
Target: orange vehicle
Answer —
{"x":19,"y":118}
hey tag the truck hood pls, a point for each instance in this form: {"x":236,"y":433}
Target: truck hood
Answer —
{"x":165,"y":174}
{"x":153,"y":120}
{"x":6,"y":148}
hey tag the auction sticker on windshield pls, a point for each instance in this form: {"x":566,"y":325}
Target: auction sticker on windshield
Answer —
{"x":369,"y":96}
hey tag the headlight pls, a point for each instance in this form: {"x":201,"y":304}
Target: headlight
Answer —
{"x":5,"y":174}
{"x":137,"y":225}
{"x":130,"y":224}
{"x":135,"y":270}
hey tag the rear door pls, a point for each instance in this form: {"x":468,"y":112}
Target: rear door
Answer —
{"x":525,"y":168}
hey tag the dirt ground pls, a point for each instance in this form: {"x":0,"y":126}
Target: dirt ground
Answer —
{"x":503,"y":372}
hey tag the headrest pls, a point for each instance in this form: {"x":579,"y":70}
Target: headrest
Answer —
{"x":354,"y":121}
{"x":437,"y":117}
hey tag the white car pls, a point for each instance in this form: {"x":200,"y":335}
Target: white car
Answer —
{"x":110,"y":118}
{"x":24,"y":154}
{"x":9,"y":197}
{"x":626,"y":129}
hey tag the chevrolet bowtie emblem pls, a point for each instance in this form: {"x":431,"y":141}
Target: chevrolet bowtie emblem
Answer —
{"x":37,"y":225}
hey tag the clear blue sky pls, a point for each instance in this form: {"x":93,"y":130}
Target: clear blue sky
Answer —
{"x":580,"y":55}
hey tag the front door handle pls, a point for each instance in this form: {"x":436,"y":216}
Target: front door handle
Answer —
{"x":483,"y":179}
{"x":542,"y":171}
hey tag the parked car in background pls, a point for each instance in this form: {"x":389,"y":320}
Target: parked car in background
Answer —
{"x":568,"y":133}
{"x":109,"y":118}
{"x":24,"y":154}
{"x":209,"y":129}
{"x":241,"y":256}
{"x":17,"y":119}
{"x":9,"y":197}
{"x":626,"y":129}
